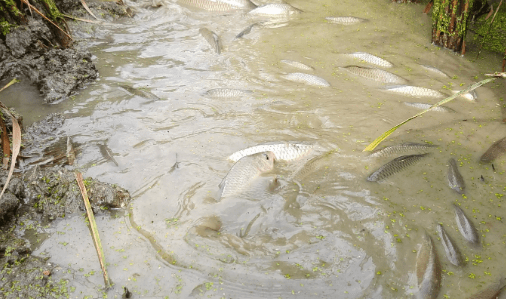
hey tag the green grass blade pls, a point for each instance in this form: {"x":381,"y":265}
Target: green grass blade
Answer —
{"x":94,"y":229}
{"x":384,"y":136}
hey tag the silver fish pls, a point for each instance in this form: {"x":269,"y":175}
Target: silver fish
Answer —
{"x":470,"y":96}
{"x":491,"y":292}
{"x":369,"y":58}
{"x":297,"y":64}
{"x":455,"y":179}
{"x":273,"y":10}
{"x":415,"y":91}
{"x":227,"y":93}
{"x":394,"y":166}
{"x":315,"y":164}
{"x":245,"y":171}
{"x":425,"y":106}
{"x":139,"y":92}
{"x":219,"y":5}
{"x":452,"y":251}
{"x":428,"y":270}
{"x":285,"y":151}
{"x":246,"y":31}
{"x":466,"y":227}
{"x":307,"y":79}
{"x":375,"y":74}
{"x":212,"y":38}
{"x":494,"y":151}
{"x":345,"y":20}
{"x":418,"y":148}
{"x":434,"y":70}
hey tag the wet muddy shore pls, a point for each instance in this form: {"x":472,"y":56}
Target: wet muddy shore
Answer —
{"x":43,"y":187}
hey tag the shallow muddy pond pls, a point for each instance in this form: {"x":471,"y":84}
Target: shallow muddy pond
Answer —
{"x":328,"y":234}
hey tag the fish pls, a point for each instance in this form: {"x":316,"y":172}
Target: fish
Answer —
{"x":495,"y":150}
{"x":374,"y":74}
{"x":452,"y":251}
{"x":227,"y":93}
{"x":297,"y":64}
{"x":212,"y":38}
{"x":345,"y":20}
{"x":219,"y":5}
{"x":394,"y":166}
{"x":470,"y":96}
{"x":246,"y":31}
{"x":428,"y":270}
{"x":371,"y":59}
{"x":455,"y":179}
{"x":434,"y":70}
{"x":107,"y":153}
{"x":244,"y":171}
{"x":283,"y":151}
{"x":466,"y":227}
{"x":415,"y":91}
{"x":274,"y":9}
{"x":139,"y":92}
{"x":312,"y":165}
{"x":492,"y":291}
{"x":425,"y":106}
{"x":307,"y":79}
{"x":392,"y":150}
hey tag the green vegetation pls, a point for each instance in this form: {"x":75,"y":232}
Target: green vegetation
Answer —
{"x":495,"y":39}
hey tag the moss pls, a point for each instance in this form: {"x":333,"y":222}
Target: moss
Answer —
{"x":495,"y":40}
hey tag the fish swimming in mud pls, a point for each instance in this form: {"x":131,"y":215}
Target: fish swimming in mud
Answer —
{"x":491,"y":292}
{"x":415,"y":91}
{"x":284,"y":151}
{"x":246,"y":31}
{"x":307,"y":79}
{"x":466,"y":227}
{"x":107,"y":153}
{"x":219,"y":5}
{"x":452,"y":251}
{"x":455,"y":179}
{"x":139,"y":92}
{"x":403,"y":148}
{"x":428,"y":270}
{"x":425,"y":106}
{"x":245,"y":171}
{"x":394,"y":166}
{"x":375,"y":74}
{"x":227,"y":93}
{"x":495,"y":150}
{"x":471,"y":96}
{"x":345,"y":20}
{"x":212,"y":38}
{"x":371,"y":59}
{"x":434,"y":70}
{"x":296,"y":64}
{"x":274,"y":10}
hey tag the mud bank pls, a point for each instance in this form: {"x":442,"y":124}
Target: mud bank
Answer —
{"x":29,"y":52}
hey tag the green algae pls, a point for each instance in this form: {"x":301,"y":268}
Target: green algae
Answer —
{"x":493,"y":39}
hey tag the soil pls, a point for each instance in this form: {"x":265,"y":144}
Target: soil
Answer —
{"x":43,"y":187}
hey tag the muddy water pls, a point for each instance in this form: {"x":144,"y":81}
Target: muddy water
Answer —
{"x":328,"y":234}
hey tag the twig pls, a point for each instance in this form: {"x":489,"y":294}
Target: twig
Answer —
{"x":37,"y":11}
{"x":82,"y":20}
{"x":94,"y":230}
{"x":489,"y":27}
{"x":497,"y":75}
{"x":16,"y":145}
{"x":13,"y":81}
{"x":88,"y":9}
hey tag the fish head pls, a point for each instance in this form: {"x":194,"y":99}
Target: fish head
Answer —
{"x":265,"y":161}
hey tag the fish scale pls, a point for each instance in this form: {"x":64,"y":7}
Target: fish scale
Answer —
{"x":274,"y":9}
{"x":245,"y":171}
{"x":369,"y":58}
{"x":307,"y":79}
{"x":344,"y":20}
{"x":455,"y":179}
{"x":286,"y":151}
{"x":415,"y":91}
{"x":226,"y":93}
{"x":374,"y":74}
{"x":394,"y":166}
{"x":402,"y":148}
{"x":466,"y":227}
{"x":219,"y":5}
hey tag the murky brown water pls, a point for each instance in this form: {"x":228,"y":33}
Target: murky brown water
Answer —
{"x":330,"y":234}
